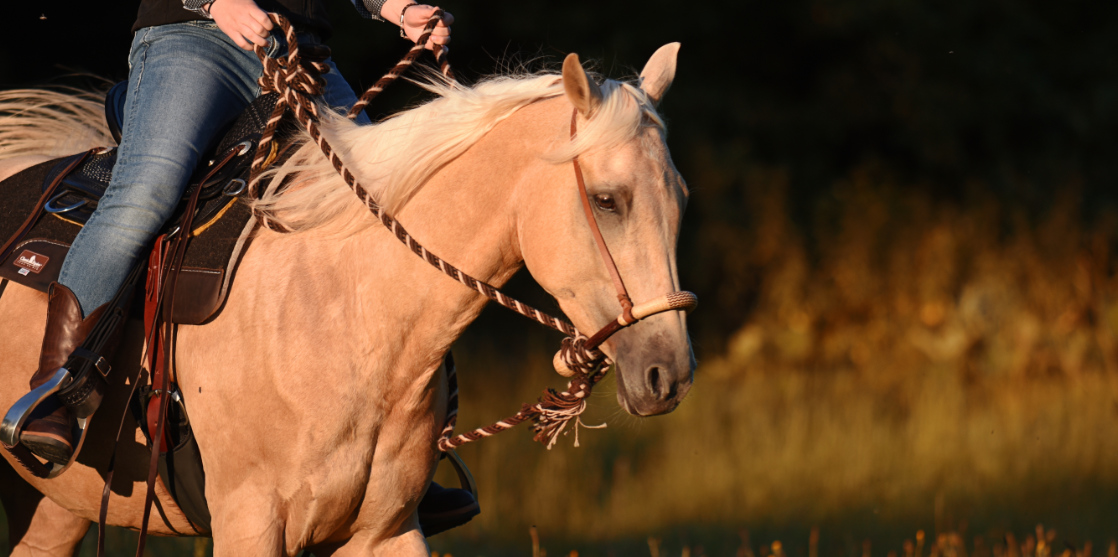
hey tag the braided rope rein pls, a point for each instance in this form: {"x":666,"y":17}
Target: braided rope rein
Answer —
{"x":405,"y":63}
{"x":297,"y":84}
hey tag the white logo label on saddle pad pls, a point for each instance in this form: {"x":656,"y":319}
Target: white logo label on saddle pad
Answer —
{"x":31,"y":262}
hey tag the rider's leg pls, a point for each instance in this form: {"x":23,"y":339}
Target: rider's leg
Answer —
{"x":187,"y":81}
{"x":49,"y":436}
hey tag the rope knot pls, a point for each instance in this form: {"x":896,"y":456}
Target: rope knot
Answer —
{"x":297,"y":81}
{"x":295,"y":72}
{"x":575,"y":359}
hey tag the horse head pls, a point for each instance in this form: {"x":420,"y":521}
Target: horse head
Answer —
{"x":637,"y":198}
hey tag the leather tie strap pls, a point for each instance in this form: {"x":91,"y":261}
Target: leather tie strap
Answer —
{"x":162,"y":267}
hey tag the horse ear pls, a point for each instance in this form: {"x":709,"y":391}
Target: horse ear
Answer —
{"x":659,"y":72}
{"x":581,"y":90}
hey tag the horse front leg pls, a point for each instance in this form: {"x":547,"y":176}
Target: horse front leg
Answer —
{"x":408,"y":543}
{"x":36,"y":525}
{"x":246,"y":523}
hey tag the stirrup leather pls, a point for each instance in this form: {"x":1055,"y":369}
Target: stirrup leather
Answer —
{"x":12,"y":426}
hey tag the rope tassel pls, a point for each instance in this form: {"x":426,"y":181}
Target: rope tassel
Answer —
{"x":554,"y":410}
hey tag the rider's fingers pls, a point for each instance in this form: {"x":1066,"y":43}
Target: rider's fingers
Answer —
{"x":257,"y":29}
{"x":262,"y":17}
{"x":436,"y":42}
{"x":256,"y":37}
{"x":241,"y":42}
{"x":417,"y":15}
{"x":439,"y":36}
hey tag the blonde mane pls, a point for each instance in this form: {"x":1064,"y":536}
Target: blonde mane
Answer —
{"x":392,"y":159}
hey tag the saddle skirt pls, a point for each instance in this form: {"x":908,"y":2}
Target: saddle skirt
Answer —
{"x":220,"y":231}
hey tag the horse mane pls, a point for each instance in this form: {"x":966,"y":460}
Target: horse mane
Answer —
{"x":393,"y":158}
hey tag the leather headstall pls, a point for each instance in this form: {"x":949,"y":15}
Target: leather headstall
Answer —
{"x":674,"y":301}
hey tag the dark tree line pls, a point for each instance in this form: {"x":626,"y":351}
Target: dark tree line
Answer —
{"x":1018,"y":100}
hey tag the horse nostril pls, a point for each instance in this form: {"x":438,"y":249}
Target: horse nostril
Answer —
{"x":654,"y":380}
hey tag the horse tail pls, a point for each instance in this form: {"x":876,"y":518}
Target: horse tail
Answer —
{"x":51,"y":123}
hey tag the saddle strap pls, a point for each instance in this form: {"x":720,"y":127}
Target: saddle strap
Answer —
{"x":154,"y":358}
{"x":167,"y":258}
{"x":103,"y":516}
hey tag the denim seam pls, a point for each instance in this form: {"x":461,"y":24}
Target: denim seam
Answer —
{"x":131,"y":114}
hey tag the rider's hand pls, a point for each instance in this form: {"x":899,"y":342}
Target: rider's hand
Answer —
{"x":243,"y":21}
{"x":415,"y":19}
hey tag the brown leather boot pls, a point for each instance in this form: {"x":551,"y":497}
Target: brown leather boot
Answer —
{"x":50,"y":436}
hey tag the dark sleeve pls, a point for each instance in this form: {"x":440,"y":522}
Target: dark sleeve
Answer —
{"x":369,"y":8}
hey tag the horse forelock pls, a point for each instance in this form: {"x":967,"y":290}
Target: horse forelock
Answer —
{"x":394,"y":158}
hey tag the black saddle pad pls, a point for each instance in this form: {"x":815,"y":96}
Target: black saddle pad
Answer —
{"x":218,"y":240}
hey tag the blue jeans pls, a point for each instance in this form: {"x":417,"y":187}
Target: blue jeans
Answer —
{"x":186,"y":82}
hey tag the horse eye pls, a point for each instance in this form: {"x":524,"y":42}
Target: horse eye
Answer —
{"x":605,"y":202}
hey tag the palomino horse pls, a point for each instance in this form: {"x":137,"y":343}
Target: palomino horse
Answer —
{"x":316,"y":395}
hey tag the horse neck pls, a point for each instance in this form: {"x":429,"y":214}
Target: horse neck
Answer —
{"x":467,"y":214}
